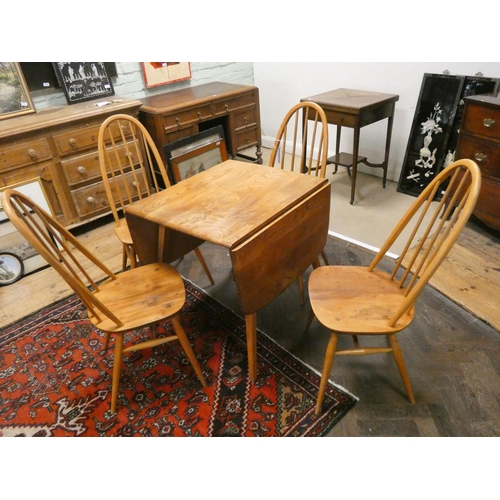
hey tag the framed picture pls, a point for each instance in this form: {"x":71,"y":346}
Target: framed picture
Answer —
{"x":83,"y":81}
{"x":161,"y":73}
{"x":432,"y":124}
{"x":192,"y":155}
{"x":15,"y":98}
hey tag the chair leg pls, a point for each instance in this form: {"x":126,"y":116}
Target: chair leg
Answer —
{"x":117,"y":361}
{"x":124,"y":257}
{"x":327,"y":366}
{"x":181,"y":335}
{"x":398,"y":356}
{"x":197,"y":251}
{"x":300,"y":281}
{"x":323,"y":254}
{"x":106,"y":340}
{"x":132,"y":256}
{"x":309,"y":320}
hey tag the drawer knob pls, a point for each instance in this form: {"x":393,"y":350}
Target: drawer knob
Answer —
{"x":90,"y":200}
{"x":199,"y":115}
{"x":134,"y":184}
{"x":488,"y":122}
{"x":81,"y":170}
{"x":227,"y":108}
{"x":480,"y":157}
{"x":72,"y":142}
{"x":32,"y":153}
{"x":178,"y":122}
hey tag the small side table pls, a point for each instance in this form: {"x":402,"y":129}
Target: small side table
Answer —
{"x":356,"y":109}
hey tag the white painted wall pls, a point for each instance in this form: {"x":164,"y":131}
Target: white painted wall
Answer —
{"x":283,"y":84}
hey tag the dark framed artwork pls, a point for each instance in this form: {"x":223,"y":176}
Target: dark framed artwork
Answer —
{"x":194,"y":154}
{"x":42,"y":75}
{"x":83,"y":81}
{"x":162,"y":73}
{"x":432,"y":124}
{"x":15,"y":98}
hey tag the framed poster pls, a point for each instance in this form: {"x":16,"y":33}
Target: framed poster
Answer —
{"x":15,"y":98}
{"x":432,"y":124}
{"x":83,"y":81}
{"x":162,"y":73}
{"x":194,"y":154}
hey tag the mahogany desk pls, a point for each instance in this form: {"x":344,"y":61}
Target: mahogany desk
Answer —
{"x":356,"y":109}
{"x":274,"y":223}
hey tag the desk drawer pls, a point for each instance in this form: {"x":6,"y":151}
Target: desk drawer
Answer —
{"x":245,"y":118}
{"x":92,"y":199}
{"x":485,"y":153}
{"x":487,"y":203}
{"x":86,"y":167}
{"x":76,"y":140}
{"x":246,"y":137}
{"x":82,"y":139}
{"x":231,"y":104}
{"x":24,"y":154}
{"x":187,"y":117}
{"x":482,"y":120}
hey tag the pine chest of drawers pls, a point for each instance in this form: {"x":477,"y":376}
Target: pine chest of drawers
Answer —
{"x":175,"y":115}
{"x":59,"y":146}
{"x":479,"y":140}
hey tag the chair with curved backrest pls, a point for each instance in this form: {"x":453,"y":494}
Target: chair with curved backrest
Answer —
{"x":132,"y":169}
{"x":140,"y":297}
{"x":356,"y":301}
{"x":302,"y":152}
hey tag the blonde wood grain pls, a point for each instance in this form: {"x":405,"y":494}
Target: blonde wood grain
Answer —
{"x":127,"y":151}
{"x":301,"y":145}
{"x":143,"y":296}
{"x":365,"y":301}
{"x":274,"y":222}
{"x":227,"y":203}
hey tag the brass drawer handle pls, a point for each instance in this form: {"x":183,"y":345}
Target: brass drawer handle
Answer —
{"x":72,"y":142}
{"x":32,"y":153}
{"x":227,"y":108}
{"x":178,"y":122}
{"x":488,"y":122}
{"x":199,"y":115}
{"x":480,"y":157}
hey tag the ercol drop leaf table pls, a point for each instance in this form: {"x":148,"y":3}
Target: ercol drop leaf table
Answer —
{"x":274,"y":223}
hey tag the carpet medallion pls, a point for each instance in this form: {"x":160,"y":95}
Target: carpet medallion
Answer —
{"x":55,"y":380}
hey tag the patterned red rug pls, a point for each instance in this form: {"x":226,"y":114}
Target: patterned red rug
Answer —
{"x":55,"y":380}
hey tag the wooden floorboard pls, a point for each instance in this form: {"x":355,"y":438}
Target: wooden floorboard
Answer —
{"x":470,"y":275}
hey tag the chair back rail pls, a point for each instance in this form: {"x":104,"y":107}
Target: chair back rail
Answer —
{"x":442,"y":220}
{"x":301,"y":143}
